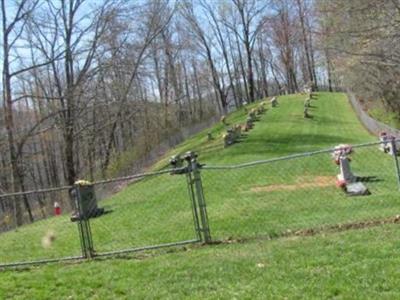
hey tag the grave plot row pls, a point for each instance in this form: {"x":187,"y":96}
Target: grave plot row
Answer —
{"x":234,"y":133}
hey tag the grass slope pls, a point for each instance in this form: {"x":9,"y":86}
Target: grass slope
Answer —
{"x":359,"y":264}
{"x":264,"y":200}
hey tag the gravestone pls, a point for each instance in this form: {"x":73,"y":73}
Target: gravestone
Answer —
{"x":237,"y":131}
{"x":229,"y":138}
{"x":223,"y":120}
{"x":307,"y":102}
{"x":346,"y":178}
{"x":252,"y":115}
{"x":384,"y":138}
{"x":387,"y":143}
{"x":306,"y":114}
{"x":274,"y":101}
{"x":249,"y":124}
{"x":83,"y":193}
{"x":261,"y":108}
{"x":345,"y":174}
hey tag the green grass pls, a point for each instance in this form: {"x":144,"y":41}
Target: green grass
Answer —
{"x":265,"y":200}
{"x":360,"y":264}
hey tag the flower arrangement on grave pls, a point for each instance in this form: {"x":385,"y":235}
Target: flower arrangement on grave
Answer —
{"x":341,"y":150}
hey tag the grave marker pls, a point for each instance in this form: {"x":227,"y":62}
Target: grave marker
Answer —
{"x":306,"y":114}
{"x":223,"y":120}
{"x":274,"y":101}
{"x":249,"y":124}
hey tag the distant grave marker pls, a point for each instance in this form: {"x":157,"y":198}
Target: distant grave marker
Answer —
{"x":274,"y":101}
{"x":388,"y":143}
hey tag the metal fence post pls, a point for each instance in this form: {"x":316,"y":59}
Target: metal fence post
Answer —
{"x":201,"y":203}
{"x":192,"y":197}
{"x":396,"y":161}
{"x":85,"y":233}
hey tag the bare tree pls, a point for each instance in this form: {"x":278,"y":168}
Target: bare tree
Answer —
{"x":251,"y":20}
{"x":12,"y":31}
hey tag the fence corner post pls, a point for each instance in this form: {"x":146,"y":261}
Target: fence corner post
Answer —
{"x":195,"y":168}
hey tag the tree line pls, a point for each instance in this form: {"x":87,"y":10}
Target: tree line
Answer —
{"x":362,"y":40}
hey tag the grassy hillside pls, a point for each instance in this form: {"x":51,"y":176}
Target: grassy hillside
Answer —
{"x":260,"y":202}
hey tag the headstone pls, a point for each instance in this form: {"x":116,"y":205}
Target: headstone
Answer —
{"x":249,"y":124}
{"x":223,"y":120}
{"x":229,"y":138}
{"x":252,"y":115}
{"x":386,"y":144}
{"x":383,"y":137}
{"x":274,"y":101}
{"x":306,"y":114}
{"x":345,"y":172}
{"x":87,"y":201}
{"x":307,"y":102}
{"x":261,"y":108}
{"x":238,"y":131}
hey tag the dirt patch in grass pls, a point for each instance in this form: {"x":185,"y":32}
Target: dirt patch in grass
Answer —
{"x":318,"y":181}
{"x":334,"y":228}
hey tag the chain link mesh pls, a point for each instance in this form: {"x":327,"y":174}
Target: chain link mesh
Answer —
{"x":150,"y":210}
{"x":270,"y":198}
{"x":40,"y":234}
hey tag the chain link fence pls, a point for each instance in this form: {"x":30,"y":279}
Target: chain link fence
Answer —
{"x":370,"y":123}
{"x":192,"y":203}
{"x":30,"y":230}
{"x":142,"y":212}
{"x":299,"y":192}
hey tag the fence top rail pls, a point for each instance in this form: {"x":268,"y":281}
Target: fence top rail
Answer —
{"x":40,"y":191}
{"x":139,"y":175}
{"x":67,"y":187}
{"x":287,"y":157}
